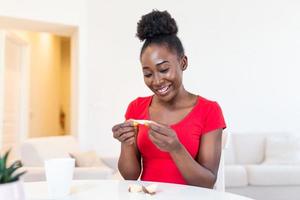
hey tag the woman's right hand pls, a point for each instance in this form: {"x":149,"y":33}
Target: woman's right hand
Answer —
{"x":125,"y":132}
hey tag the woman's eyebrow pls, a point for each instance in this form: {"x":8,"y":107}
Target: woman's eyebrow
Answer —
{"x":160,"y":63}
{"x":157,"y":64}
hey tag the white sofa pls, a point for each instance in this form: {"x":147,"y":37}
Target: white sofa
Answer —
{"x":263,"y":166}
{"x":34,"y":151}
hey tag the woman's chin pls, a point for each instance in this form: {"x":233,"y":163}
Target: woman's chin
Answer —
{"x":165,"y":98}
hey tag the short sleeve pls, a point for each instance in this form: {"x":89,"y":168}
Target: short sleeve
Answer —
{"x":214,"y":118}
{"x":130,"y":112}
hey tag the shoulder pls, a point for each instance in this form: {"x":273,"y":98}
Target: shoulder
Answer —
{"x":137,"y":109}
{"x":207,"y":104}
{"x":140,"y":101}
{"x":212,"y":115}
{"x":207,"y":107}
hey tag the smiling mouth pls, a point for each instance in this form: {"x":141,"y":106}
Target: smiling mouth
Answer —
{"x":163,"y":90}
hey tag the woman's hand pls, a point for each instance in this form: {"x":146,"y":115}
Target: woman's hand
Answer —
{"x":164,"y":137}
{"x":125,"y":132}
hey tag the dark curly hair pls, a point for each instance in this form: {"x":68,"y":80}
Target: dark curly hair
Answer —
{"x":158,"y":27}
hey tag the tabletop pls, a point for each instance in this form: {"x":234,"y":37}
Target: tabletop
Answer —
{"x":118,"y":190}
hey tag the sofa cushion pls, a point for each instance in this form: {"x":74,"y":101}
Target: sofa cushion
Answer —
{"x":235,"y":176}
{"x":86,"y":159}
{"x":35,"y":150}
{"x":102,"y":172}
{"x":263,"y":175}
{"x":282,"y":150}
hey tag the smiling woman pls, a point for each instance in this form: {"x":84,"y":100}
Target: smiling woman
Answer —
{"x":181,"y":142}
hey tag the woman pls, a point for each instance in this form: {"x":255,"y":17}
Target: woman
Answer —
{"x":182,"y":142}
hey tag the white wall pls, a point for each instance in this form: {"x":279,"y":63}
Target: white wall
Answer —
{"x":244,"y":54}
{"x":67,"y":12}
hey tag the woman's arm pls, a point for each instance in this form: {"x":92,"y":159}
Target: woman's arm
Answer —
{"x":130,"y":160}
{"x":200,"y":172}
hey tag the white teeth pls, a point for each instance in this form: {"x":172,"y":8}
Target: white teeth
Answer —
{"x":163,"y":90}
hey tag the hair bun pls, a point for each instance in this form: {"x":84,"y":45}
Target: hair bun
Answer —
{"x":155,"y":24}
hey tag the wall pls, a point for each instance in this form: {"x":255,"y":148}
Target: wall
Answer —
{"x":244,"y":54}
{"x":53,"y":11}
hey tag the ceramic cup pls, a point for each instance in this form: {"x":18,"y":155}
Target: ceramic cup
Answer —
{"x":59,"y":175}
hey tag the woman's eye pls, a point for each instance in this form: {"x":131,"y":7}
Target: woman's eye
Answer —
{"x":164,"y":70}
{"x":147,"y":75}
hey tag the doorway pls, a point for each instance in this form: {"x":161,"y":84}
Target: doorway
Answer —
{"x":43,"y":93}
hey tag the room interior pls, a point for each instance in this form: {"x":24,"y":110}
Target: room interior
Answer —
{"x":242,"y":54}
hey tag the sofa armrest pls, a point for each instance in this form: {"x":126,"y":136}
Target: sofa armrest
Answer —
{"x":236,"y":176}
{"x":111,"y":162}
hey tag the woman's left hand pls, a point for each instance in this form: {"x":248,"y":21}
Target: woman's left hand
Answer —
{"x":163,"y":137}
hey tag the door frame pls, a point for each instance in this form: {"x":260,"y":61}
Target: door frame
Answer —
{"x":24,"y":84}
{"x":10,"y":23}
{"x":2,"y":40}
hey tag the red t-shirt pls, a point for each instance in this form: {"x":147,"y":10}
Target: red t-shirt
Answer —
{"x":158,"y":166}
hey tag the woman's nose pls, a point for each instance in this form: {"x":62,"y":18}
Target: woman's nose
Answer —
{"x":157,"y":79}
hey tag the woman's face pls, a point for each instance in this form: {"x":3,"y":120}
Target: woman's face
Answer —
{"x":162,"y":71}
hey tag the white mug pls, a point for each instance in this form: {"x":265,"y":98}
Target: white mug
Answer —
{"x":59,"y":175}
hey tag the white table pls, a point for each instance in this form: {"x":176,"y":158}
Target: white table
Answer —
{"x":118,"y":190}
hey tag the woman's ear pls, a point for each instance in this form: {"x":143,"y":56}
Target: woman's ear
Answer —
{"x":184,"y":63}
